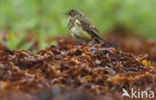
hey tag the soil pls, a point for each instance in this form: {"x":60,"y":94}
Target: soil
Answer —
{"x":72,"y":71}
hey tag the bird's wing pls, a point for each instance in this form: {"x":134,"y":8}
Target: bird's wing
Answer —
{"x":87,"y":26}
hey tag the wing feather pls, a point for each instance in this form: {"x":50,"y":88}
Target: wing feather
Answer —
{"x":87,"y":26}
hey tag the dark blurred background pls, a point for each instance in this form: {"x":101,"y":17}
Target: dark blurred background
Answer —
{"x":44,"y":18}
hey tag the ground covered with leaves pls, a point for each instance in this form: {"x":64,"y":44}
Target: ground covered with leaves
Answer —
{"x":71,"y":71}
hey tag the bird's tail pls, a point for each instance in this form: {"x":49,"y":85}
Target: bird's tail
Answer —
{"x":101,"y":40}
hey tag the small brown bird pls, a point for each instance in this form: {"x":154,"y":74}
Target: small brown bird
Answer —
{"x":82,"y":29}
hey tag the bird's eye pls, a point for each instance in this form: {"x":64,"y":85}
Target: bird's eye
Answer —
{"x":72,"y":13}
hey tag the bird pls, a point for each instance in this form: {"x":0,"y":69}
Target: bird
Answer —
{"x":82,"y":29}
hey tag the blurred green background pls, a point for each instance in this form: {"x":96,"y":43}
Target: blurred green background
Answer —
{"x":44,"y":18}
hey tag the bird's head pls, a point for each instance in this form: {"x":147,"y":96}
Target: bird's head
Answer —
{"x":73,"y":14}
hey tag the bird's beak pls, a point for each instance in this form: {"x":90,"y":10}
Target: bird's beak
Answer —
{"x":64,"y":13}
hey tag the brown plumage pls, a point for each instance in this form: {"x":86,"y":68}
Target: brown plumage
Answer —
{"x":82,"y":29}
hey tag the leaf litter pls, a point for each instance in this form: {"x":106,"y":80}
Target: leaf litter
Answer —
{"x":67,"y":70}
